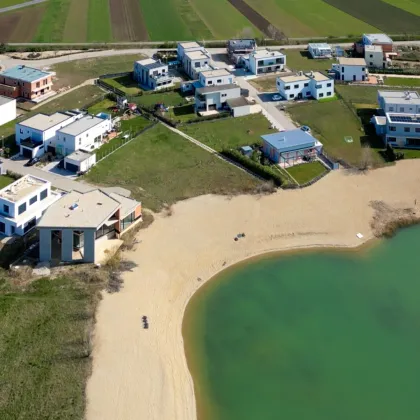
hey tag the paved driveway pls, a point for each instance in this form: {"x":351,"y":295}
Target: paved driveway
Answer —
{"x":274,"y":115}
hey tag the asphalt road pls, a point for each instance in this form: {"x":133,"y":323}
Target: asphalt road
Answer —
{"x":19,"y":6}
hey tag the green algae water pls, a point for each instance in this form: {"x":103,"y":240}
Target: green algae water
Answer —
{"x":310,"y":336}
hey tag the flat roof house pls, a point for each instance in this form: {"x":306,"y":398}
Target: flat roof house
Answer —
{"x":264,"y":61}
{"x":305,"y":85}
{"x":75,"y":227}
{"x":194,"y":58}
{"x":239,"y":47}
{"x":399,"y":124}
{"x":212,"y":98}
{"x":374,"y":56}
{"x":291,"y":147}
{"x":26,"y":82}
{"x":152,"y":74}
{"x":22,"y":204}
{"x":382,"y":40}
{"x":86,"y":133}
{"x":320,"y":50}
{"x":350,"y":69}
{"x":37,"y":134}
{"x":79,"y":161}
{"x":7,"y":109}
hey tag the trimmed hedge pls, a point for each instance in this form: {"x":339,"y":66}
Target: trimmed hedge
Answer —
{"x":263,"y":171}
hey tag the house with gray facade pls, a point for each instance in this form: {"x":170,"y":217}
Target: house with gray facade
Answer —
{"x":152,"y":74}
{"x":75,"y":227}
{"x":398,"y":122}
{"x":237,"y":48}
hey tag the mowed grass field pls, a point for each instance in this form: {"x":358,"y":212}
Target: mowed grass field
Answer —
{"x":147,"y":20}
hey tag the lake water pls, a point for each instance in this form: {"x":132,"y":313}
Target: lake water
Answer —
{"x":321,"y":335}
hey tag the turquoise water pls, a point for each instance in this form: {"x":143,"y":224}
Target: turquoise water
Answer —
{"x":311,"y":336}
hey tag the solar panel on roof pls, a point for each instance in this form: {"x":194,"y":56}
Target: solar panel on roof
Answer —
{"x":405,"y":118}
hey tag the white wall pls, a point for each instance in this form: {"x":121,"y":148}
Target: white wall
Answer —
{"x":8,"y":112}
{"x":352,"y":73}
{"x":306,"y":88}
{"x":374,"y":59}
{"x":82,"y":165}
{"x":35,"y":210}
{"x":217,"y":98}
{"x":85,"y":140}
{"x":215,"y":80}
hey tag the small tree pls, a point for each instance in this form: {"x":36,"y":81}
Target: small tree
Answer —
{"x":3,"y":48}
{"x":366,"y":161}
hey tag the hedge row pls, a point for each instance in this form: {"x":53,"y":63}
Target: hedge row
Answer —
{"x":263,"y":171}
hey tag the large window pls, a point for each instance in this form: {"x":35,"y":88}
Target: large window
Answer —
{"x":2,"y":227}
{"x":44,"y":194}
{"x":33,"y":200}
{"x":392,"y":128}
{"x":413,"y":142}
{"x":29,"y":225}
{"x":6,"y":208}
{"x":104,"y":230}
{"x":22,"y":208}
{"x":126,"y":222}
{"x":406,"y":129}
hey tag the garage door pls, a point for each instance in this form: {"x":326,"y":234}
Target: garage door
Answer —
{"x":27,"y":152}
{"x":71,"y":167}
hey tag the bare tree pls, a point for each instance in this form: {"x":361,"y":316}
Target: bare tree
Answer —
{"x":366,"y":159}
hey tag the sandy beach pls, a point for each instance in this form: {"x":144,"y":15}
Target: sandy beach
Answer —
{"x":143,"y":374}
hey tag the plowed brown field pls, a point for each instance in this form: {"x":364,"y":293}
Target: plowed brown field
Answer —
{"x":127,"y":21}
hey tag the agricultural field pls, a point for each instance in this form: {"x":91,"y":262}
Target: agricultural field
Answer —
{"x":139,"y":20}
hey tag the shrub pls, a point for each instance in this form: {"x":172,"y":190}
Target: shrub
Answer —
{"x":265,"y":172}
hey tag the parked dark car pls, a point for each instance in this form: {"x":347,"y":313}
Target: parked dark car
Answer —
{"x":32,"y":161}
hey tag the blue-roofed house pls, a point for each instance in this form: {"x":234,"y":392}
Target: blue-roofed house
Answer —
{"x":26,"y":82}
{"x":288,"y":148}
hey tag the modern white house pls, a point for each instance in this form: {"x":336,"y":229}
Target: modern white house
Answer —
{"x":182,"y":47}
{"x":399,"y":124}
{"x":37,"y":134}
{"x":291,"y":147}
{"x":215,"y":77}
{"x":86,"y":133}
{"x":22,"y":204}
{"x":305,"y":85}
{"x":320,"y":50}
{"x":374,"y":56}
{"x":7,"y":109}
{"x":79,"y":225}
{"x":350,"y":69}
{"x":79,"y":161}
{"x":152,"y":74}
{"x":265,"y":61}
{"x":194,"y":58}
{"x":212,"y":98}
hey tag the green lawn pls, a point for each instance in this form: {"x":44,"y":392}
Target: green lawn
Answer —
{"x":73,"y":73}
{"x":331,"y":122}
{"x":5,"y":181}
{"x":298,"y":60}
{"x":402,"y":81}
{"x":124,"y":83}
{"x":360,"y":94}
{"x":161,"y":167}
{"x":172,"y":98}
{"x":306,"y":171}
{"x":230,"y":133}
{"x":45,"y":347}
{"x":104,"y":106}
{"x":410,"y":153}
{"x":181,"y":113}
